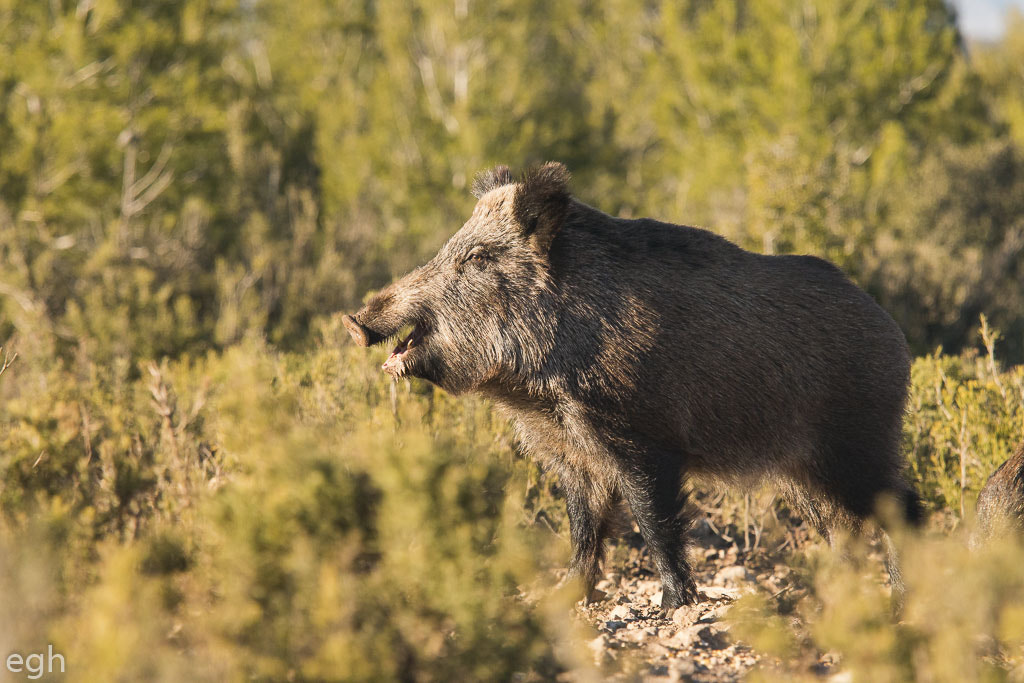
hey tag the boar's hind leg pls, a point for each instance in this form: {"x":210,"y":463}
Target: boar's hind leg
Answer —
{"x":590,"y":506}
{"x":848,"y":498}
{"x":818,"y":510}
{"x":653,"y":487}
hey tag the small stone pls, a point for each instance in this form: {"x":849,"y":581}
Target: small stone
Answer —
{"x":633,"y":636}
{"x":622,"y":613}
{"x":666,"y":632}
{"x":685,"y":637}
{"x":686,"y":615}
{"x":713,"y":638}
{"x":614,"y":625}
{"x":732,"y":576}
{"x":719,"y":593}
{"x":714,"y":615}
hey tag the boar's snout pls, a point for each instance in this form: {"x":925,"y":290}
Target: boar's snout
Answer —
{"x":360,"y":334}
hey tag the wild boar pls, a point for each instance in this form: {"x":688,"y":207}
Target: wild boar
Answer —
{"x":1001,"y":502}
{"x":634,"y":354}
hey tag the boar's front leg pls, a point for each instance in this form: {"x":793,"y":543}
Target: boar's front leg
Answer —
{"x":590,"y":506}
{"x":653,"y":487}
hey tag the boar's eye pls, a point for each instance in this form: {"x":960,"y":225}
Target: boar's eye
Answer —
{"x":478,"y":256}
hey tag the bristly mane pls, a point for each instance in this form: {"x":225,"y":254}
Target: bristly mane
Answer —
{"x":485,"y":181}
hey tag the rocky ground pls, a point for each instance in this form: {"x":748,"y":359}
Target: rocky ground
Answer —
{"x":754,"y":587}
{"x":696,"y":643}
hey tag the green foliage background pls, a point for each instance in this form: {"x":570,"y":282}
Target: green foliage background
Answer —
{"x":198,"y":476}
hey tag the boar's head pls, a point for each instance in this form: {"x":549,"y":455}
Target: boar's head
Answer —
{"x":479,"y":310}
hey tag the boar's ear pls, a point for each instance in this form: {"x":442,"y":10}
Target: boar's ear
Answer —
{"x":542,"y":202}
{"x":486,"y":181}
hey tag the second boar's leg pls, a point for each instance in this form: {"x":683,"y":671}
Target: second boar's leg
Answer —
{"x":590,"y":506}
{"x":652,"y":485}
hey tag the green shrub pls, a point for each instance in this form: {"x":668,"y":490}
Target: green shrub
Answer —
{"x":966,"y":415}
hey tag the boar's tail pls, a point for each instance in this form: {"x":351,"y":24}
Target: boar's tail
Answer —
{"x":909,"y":508}
{"x":913,"y":508}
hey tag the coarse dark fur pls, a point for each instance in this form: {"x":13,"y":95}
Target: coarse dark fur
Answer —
{"x":634,"y":354}
{"x":1001,"y":501}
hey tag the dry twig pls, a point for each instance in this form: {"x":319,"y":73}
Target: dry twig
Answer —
{"x":8,"y":360}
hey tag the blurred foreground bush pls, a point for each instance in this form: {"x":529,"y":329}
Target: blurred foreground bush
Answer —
{"x":963,"y":619}
{"x":258,"y":516}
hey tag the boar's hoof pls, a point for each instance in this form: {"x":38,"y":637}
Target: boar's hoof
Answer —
{"x":673,"y":598}
{"x":360,"y":334}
